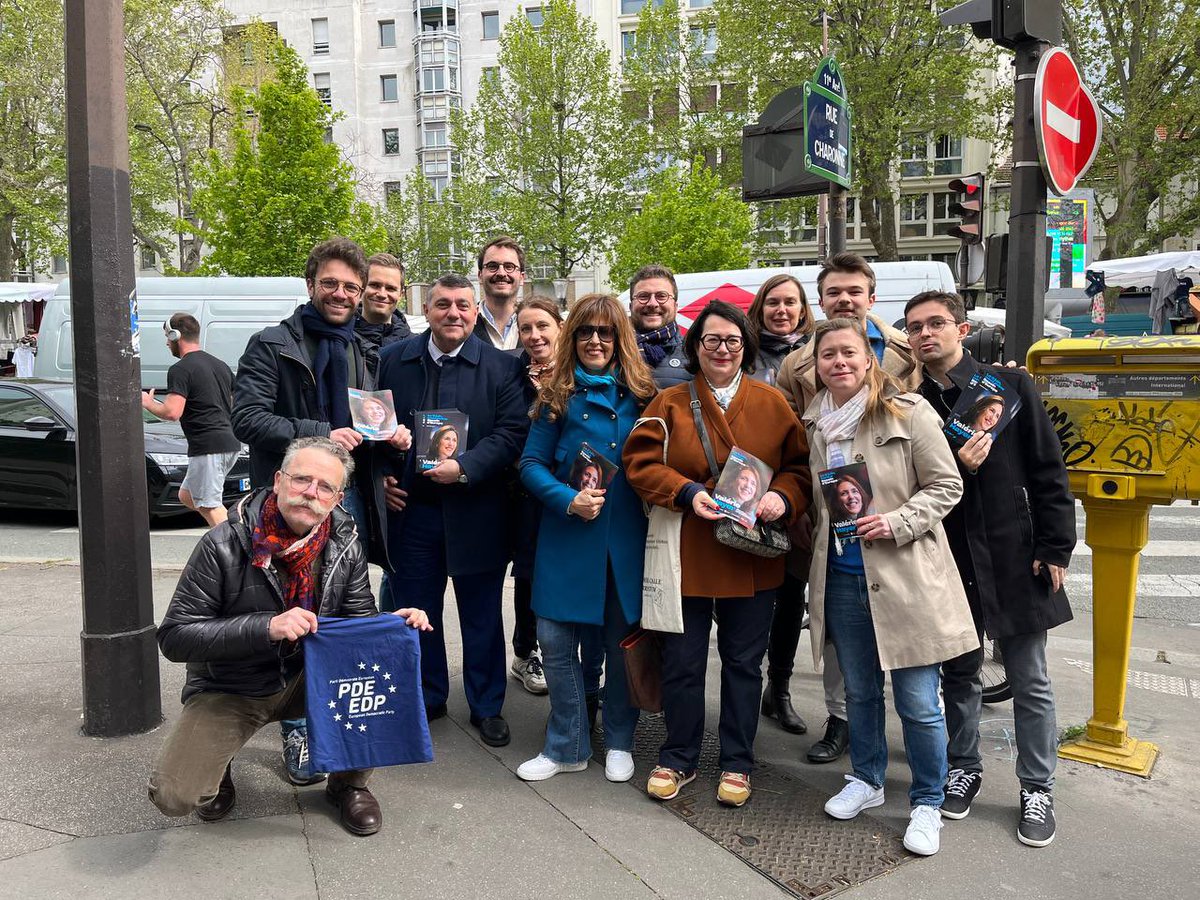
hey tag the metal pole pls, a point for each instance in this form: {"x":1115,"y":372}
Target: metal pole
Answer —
{"x":1027,"y":260}
{"x":836,"y":216}
{"x":119,"y":655}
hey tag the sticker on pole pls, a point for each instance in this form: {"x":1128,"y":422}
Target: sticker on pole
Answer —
{"x":135,"y":332}
{"x":1067,"y":121}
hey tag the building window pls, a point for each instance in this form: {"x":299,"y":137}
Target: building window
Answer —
{"x":490,"y":73}
{"x":628,"y":44}
{"x":149,"y":259}
{"x":433,"y":81}
{"x":535,"y":16}
{"x":439,"y":185}
{"x":705,"y":40}
{"x":392,"y":191}
{"x":320,"y":30}
{"x":324,"y":91}
{"x":947,"y":155}
{"x":914,"y":156}
{"x":914,"y":215}
{"x":699,"y":4}
{"x":387,"y":33}
{"x":633,"y":7}
{"x":943,"y":220}
{"x":491,"y":26}
{"x":327,"y":137}
{"x":58,"y":264}
{"x":434,"y":135}
{"x":391,"y":141}
{"x":389,"y":92}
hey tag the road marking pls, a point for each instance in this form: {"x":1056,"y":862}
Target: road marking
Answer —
{"x":1147,"y":585}
{"x":1062,"y":122}
{"x":1149,"y":681}
{"x":1138,"y":654}
{"x":1152,"y":548}
{"x":174,"y":532}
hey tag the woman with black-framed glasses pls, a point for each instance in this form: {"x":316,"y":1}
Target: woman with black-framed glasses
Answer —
{"x":587,"y":577}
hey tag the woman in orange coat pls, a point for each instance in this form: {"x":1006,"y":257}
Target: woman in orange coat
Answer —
{"x":736,"y":411}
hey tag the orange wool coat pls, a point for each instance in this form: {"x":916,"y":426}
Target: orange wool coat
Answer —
{"x":758,"y":421}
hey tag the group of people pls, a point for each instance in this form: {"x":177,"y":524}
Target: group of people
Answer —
{"x":946,"y":545}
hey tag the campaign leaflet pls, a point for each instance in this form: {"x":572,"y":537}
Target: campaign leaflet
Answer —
{"x":441,"y":434}
{"x":848,"y":496}
{"x":374,"y":414}
{"x":988,"y":404}
{"x":590,"y":469}
{"x":744,"y":480}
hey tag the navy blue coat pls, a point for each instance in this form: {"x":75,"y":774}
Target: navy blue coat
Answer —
{"x":477,"y":514}
{"x":570,"y":575}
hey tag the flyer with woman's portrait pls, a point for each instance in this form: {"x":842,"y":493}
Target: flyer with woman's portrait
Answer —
{"x":441,"y":434}
{"x":374,"y":414}
{"x":988,"y":404}
{"x":848,"y":496}
{"x":590,"y":469}
{"x":744,"y":479}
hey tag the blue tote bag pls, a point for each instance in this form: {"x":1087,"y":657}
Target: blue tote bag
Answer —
{"x":364,"y":699}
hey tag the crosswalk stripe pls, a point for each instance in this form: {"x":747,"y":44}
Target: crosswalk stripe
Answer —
{"x":1153,"y":548}
{"x":1147,"y":585}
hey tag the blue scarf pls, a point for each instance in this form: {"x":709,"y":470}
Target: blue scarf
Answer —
{"x":651,"y":343}
{"x":603,"y":381}
{"x":330,"y":366}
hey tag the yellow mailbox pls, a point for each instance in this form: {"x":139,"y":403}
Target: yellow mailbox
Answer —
{"x":1127,"y":413}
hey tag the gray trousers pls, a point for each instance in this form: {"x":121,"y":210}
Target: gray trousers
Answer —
{"x":835,"y":685}
{"x":1033,"y":709}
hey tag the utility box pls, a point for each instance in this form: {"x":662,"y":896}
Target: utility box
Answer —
{"x":1125,"y":407}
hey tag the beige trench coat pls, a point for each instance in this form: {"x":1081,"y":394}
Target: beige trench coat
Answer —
{"x":919,"y":609}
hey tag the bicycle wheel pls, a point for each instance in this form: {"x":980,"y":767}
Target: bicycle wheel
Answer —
{"x":996,"y":688}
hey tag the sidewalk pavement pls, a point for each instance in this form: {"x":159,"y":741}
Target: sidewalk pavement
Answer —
{"x":75,"y":821}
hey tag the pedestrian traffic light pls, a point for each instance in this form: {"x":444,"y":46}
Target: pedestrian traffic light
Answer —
{"x":969,"y":207}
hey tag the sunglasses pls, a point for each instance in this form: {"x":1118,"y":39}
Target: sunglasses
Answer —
{"x":606,"y":333}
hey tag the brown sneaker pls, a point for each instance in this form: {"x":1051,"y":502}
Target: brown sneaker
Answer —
{"x":734,"y":789}
{"x":665,"y":783}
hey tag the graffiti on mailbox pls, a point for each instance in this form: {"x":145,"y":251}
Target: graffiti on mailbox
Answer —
{"x":1135,"y":436}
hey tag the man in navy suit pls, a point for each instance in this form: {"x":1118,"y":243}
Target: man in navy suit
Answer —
{"x":442,"y":523}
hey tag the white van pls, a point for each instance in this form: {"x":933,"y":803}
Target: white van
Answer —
{"x":229,"y":310}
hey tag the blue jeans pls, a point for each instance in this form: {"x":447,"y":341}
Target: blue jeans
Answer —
{"x":849,"y":625}
{"x":568,"y":739}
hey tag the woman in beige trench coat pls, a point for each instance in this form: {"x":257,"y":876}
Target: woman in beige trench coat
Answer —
{"x":886,"y":589}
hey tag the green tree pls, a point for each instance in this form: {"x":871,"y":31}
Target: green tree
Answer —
{"x":905,"y":74}
{"x":689,"y":222}
{"x":547,"y":143}
{"x":32,"y":135}
{"x":432,"y":235}
{"x":1142,"y":60}
{"x":279,"y":188}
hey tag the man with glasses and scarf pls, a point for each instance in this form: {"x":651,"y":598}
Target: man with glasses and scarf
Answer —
{"x":251,"y":593}
{"x":292,"y":382}
{"x":653,"y":302}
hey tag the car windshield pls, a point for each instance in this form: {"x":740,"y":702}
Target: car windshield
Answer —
{"x":64,"y":396}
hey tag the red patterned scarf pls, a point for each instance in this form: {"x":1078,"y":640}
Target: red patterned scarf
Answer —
{"x":295,"y":555}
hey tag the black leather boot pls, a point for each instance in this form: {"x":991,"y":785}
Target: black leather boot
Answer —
{"x":777,"y":704}
{"x":834,"y":744}
{"x":220,"y":805}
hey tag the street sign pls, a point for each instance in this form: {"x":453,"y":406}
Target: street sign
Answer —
{"x":829,"y":77}
{"x":1066,"y":120}
{"x":826,"y":134}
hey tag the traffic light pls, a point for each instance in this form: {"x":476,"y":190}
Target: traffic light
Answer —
{"x":969,"y":207}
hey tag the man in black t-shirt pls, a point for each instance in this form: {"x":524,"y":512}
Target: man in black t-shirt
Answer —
{"x":200,"y":398}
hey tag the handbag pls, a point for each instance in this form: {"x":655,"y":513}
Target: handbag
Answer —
{"x":643,"y":669}
{"x":662,"y":574}
{"x":766,"y":539}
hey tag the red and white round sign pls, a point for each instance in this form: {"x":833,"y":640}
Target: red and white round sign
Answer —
{"x":1067,"y":121}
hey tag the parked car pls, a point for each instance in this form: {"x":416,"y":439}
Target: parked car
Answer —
{"x":37,"y":452}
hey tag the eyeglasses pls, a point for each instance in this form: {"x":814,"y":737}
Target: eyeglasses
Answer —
{"x":301,"y":483}
{"x":494,"y":267}
{"x":606,"y":333}
{"x":935,"y":326}
{"x":329,"y":285}
{"x":712,"y":341}
{"x":646,"y":297}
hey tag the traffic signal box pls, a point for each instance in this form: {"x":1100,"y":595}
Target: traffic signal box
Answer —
{"x":968,"y":207}
{"x":1127,"y":413}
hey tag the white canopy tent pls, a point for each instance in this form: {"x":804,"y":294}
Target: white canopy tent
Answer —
{"x":1139,"y":271}
{"x":13,"y":294}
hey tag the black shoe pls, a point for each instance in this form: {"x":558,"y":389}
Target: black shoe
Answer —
{"x":777,"y":704}
{"x":435,"y":712}
{"x":834,"y":744}
{"x":961,"y":788}
{"x":493,"y":730}
{"x":220,"y":805}
{"x":1037,"y":818}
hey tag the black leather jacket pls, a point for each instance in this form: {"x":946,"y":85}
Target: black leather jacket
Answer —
{"x":218,"y":618}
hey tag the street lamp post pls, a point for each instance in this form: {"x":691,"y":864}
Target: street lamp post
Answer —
{"x":146,"y":129}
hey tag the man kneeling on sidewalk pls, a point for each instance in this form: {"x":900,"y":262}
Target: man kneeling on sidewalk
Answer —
{"x":250,"y":593}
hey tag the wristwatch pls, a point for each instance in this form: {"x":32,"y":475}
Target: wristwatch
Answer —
{"x":462,"y":477}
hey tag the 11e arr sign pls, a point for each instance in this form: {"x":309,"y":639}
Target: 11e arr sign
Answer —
{"x":826,"y":135}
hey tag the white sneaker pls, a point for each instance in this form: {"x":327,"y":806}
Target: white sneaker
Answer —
{"x":618,"y":765}
{"x":542,"y":767}
{"x":854,"y":798}
{"x":921,"y":836}
{"x":529,"y":672}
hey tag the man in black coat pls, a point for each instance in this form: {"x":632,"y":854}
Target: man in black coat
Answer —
{"x":379,"y":321}
{"x":251,"y":591}
{"x":1012,"y":535}
{"x":653,"y":303}
{"x":444,"y":520}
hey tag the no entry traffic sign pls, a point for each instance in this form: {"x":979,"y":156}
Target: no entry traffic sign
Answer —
{"x":1067,"y":121}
